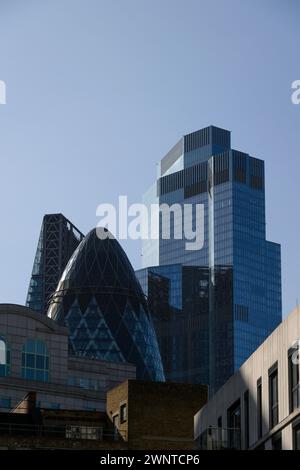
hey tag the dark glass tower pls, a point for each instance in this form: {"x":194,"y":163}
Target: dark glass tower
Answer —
{"x":101,"y":302}
{"x":178,"y":298}
{"x":244,"y":269}
{"x":57,"y":241}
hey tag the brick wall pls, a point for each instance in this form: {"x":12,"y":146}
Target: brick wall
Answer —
{"x":159,"y":415}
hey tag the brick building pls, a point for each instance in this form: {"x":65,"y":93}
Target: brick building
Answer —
{"x":155,"y":415}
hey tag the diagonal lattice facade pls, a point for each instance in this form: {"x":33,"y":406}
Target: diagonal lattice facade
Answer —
{"x":57,"y":241}
{"x":101,"y":302}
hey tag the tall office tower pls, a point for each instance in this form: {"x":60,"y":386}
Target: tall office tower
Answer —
{"x":243,"y":291}
{"x":100,"y":301}
{"x":57,"y":241}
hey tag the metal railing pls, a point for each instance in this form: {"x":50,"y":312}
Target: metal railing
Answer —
{"x":66,"y":431}
{"x":219,"y":439}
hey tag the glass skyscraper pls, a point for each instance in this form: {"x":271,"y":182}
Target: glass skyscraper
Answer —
{"x":241,"y":300}
{"x":57,"y":241}
{"x":100,"y":301}
{"x":178,"y":299}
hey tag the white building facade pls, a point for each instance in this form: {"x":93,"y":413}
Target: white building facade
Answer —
{"x":258,"y":407}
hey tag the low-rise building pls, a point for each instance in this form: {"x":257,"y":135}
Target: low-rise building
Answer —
{"x":139,"y":415}
{"x":28,"y":427}
{"x":155,"y":415}
{"x":258,"y":407}
{"x":34,"y":356}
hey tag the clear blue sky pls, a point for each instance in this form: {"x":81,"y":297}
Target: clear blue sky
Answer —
{"x":99,"y":90}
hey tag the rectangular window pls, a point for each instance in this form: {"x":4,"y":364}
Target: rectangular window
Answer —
{"x":246,"y":419}
{"x":277,"y":442}
{"x":220,"y":432}
{"x":72,"y":381}
{"x":259,"y":408}
{"x":30,"y":361}
{"x":90,"y":408}
{"x":2,"y":352}
{"x":273,"y":396}
{"x":123,"y":413}
{"x":28,"y":374}
{"x":84,"y":383}
{"x":234,"y":425}
{"x":5,"y":403}
{"x":40,"y":375}
{"x":293,"y":365}
{"x":116,"y":425}
{"x":40,"y":362}
{"x":55,"y":406}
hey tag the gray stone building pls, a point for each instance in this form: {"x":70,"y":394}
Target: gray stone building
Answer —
{"x":34,"y":357}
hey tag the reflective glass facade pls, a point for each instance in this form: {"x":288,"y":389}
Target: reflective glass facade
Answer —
{"x":57,"y":241}
{"x":101,"y":302}
{"x":244,"y":269}
{"x":178,"y":300}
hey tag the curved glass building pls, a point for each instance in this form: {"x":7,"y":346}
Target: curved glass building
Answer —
{"x":101,"y":302}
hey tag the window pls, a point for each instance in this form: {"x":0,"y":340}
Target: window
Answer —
{"x":293,"y":364}
{"x":83,"y":432}
{"x":84,"y":383}
{"x":116,"y":425}
{"x":259,"y":408}
{"x":220,"y":431}
{"x":2,"y":352}
{"x":296,"y":437}
{"x":90,"y":408}
{"x":273,"y":395}
{"x":123,"y":413}
{"x":55,"y":406}
{"x":5,"y":403}
{"x":234,"y":425}
{"x":72,"y":381}
{"x":4,"y":358}
{"x":246,"y":419}
{"x":35,"y":361}
{"x":277,"y":442}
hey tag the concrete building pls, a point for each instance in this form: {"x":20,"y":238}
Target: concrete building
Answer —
{"x":258,"y":407}
{"x":155,"y":415}
{"x":34,"y":357}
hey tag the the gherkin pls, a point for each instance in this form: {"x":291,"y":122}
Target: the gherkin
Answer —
{"x":101,"y":302}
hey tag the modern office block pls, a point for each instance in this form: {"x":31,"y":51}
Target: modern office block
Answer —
{"x":178,"y":298}
{"x":57,"y":241}
{"x":100,"y":301}
{"x":244,"y":269}
{"x":259,"y":406}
